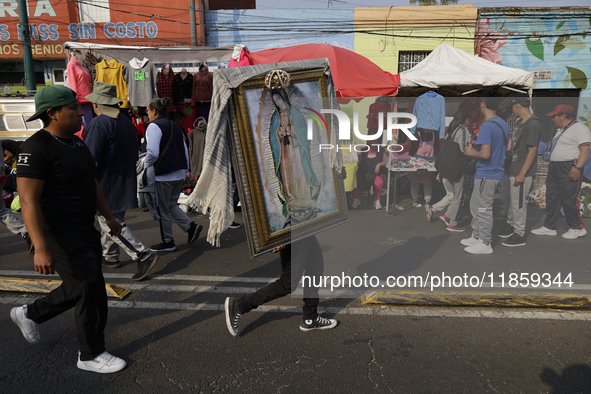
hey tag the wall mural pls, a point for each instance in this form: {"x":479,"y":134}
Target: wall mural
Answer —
{"x":562,"y":61}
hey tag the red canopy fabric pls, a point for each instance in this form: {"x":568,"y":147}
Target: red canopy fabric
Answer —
{"x":354,"y":76}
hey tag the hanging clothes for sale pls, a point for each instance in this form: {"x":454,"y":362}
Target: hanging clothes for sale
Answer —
{"x":165,"y":82}
{"x":475,"y":114}
{"x":202,"y":85}
{"x":430,"y":112}
{"x":182,"y":87}
{"x":191,"y":115}
{"x":141,"y":77}
{"x":78,"y":80}
{"x":111,"y":71}
{"x":373,"y":119}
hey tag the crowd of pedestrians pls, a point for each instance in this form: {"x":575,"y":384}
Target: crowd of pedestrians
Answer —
{"x":65,"y":181}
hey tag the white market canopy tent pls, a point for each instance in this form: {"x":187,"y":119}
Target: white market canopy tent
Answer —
{"x":157,"y":54}
{"x":447,"y":66}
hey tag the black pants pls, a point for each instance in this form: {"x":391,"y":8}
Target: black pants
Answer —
{"x":302,"y":256}
{"x":562,"y":192}
{"x":78,"y":262}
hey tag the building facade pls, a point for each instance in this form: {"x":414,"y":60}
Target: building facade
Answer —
{"x":553,"y":43}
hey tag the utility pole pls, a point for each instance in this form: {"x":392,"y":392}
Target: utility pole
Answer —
{"x":193,"y":23}
{"x":26,"y":42}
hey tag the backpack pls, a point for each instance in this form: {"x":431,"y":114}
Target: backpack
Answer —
{"x":451,"y":161}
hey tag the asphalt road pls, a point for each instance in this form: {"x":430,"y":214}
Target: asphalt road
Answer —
{"x":172,"y":332}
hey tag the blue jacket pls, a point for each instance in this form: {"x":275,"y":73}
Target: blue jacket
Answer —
{"x":430,"y":112}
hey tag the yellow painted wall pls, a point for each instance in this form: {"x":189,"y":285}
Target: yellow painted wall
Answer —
{"x":413,"y":28}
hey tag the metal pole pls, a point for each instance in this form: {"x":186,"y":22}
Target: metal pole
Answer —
{"x":193,"y":23}
{"x":26,"y":43}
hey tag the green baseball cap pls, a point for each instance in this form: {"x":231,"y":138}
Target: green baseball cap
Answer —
{"x":52,"y":96}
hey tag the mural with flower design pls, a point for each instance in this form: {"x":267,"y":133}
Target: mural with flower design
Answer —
{"x":555,"y":46}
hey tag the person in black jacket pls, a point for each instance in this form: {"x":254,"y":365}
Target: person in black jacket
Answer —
{"x":167,"y":152}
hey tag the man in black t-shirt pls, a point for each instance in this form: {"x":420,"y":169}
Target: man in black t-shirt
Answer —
{"x":519,"y":177}
{"x":59,"y":196}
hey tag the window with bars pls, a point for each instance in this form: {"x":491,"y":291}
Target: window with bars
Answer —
{"x":94,"y":11}
{"x":409,"y":59}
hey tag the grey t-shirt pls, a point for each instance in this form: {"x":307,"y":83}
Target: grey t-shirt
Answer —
{"x":533,"y":131}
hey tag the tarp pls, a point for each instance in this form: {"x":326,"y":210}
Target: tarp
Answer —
{"x":449,"y":66}
{"x":354,"y":75}
{"x":156,"y":54}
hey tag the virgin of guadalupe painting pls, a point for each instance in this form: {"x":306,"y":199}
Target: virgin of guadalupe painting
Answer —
{"x":291,"y":182}
{"x":292,"y":160}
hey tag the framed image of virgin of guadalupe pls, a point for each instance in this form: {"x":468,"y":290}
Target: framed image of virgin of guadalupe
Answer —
{"x":287,"y":186}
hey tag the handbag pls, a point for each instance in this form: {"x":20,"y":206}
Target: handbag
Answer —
{"x":451,"y":161}
{"x":545,"y":149}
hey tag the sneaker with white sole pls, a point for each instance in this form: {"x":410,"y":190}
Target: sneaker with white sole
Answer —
{"x":479,"y":248}
{"x":574,"y":233}
{"x":356,"y":202}
{"x":377,"y":205}
{"x":445,"y":220}
{"x":103,"y":363}
{"x":320,"y":323}
{"x":163,"y":247}
{"x":507,"y":231}
{"x":417,"y":204}
{"x":233,"y":317}
{"x":469,"y":241}
{"x":234,"y":225}
{"x":28,"y":327}
{"x":455,"y":229}
{"x":514,"y":240}
{"x":543,"y":231}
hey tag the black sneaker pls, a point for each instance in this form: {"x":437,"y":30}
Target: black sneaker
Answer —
{"x":111,"y":264}
{"x":29,"y":243}
{"x":514,"y":240}
{"x":320,"y":323}
{"x":233,"y":317}
{"x":234,"y":225}
{"x":144,"y":267}
{"x":194,"y":232}
{"x":163,"y":247}
{"x":507,"y":231}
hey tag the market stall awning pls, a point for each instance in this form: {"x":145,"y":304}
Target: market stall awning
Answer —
{"x":157,"y":54}
{"x":354,"y":75}
{"x":449,"y":66}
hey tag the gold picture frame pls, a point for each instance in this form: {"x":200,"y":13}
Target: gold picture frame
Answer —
{"x":279,"y":208}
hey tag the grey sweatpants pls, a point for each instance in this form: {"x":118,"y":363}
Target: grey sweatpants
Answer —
{"x":12,"y":222}
{"x":451,"y":201}
{"x":111,"y":244}
{"x":167,"y":195}
{"x":516,"y":215}
{"x":481,"y":208}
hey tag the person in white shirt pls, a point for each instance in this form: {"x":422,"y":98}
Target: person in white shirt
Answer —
{"x":565,"y":170}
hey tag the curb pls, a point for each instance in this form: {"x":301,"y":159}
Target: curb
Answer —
{"x":476,"y":299}
{"x":46,"y":285}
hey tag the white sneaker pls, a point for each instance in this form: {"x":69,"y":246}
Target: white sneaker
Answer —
{"x":417,"y":204}
{"x":469,"y":241}
{"x":28,"y":327}
{"x":573,"y":233}
{"x":479,"y":248}
{"x":103,"y":363}
{"x":356,"y":202}
{"x":377,"y":205}
{"x":543,"y":231}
